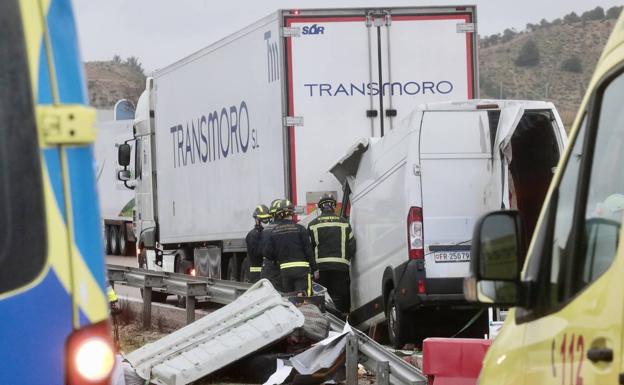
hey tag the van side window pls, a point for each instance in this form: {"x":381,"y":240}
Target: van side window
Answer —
{"x":22,"y":217}
{"x":604,"y":207}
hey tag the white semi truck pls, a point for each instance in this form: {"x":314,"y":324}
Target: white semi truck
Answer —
{"x":265,"y":112}
{"x":116,"y":201}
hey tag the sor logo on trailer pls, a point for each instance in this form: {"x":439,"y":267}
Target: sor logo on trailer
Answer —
{"x":313,"y":29}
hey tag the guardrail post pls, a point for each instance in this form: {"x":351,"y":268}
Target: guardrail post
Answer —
{"x":352,"y":359}
{"x":147,"y":307}
{"x":383,"y":373}
{"x":190,"y":309}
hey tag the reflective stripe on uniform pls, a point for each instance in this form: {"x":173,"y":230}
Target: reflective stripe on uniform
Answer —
{"x":343,"y":226}
{"x":294,"y":264}
{"x":309,"y":285}
{"x":333,"y":260}
{"x":253,"y":269}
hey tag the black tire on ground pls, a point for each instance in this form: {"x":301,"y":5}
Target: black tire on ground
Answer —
{"x":398,"y":322}
{"x":107,"y":243}
{"x":232,"y":269}
{"x":123,"y":243}
{"x":156,"y":295}
{"x":244,"y":272}
{"x":114,"y":240}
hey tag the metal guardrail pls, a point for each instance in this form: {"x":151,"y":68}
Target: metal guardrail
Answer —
{"x":208,"y":289}
{"x":390,"y":368}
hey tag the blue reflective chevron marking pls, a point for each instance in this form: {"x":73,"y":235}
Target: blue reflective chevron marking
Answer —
{"x":53,"y":164}
{"x":69,"y":71}
{"x":35,"y":325}
{"x":85,"y":210}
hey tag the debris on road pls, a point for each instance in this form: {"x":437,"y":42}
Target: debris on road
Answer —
{"x":255,"y":320}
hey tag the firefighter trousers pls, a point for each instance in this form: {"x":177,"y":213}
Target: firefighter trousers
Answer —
{"x":271,"y":271}
{"x":338,"y":285}
{"x":297,"y":279}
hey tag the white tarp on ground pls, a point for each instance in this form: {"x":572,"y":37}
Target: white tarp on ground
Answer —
{"x":256,"y":319}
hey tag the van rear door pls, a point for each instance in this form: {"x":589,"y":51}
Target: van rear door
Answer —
{"x":458,"y":182}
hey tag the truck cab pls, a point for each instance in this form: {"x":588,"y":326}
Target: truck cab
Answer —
{"x":567,"y":289}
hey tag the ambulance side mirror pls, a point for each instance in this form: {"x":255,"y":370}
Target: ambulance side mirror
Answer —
{"x":496,"y":255}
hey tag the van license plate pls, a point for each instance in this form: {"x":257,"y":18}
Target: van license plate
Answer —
{"x":451,"y":256}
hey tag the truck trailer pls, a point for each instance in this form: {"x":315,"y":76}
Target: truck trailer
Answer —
{"x":264,"y":113}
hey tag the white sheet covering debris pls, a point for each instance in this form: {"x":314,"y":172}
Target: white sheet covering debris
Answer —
{"x":256,"y":319}
{"x":321,"y":355}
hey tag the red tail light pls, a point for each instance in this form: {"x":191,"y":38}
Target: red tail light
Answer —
{"x":421,"y":286}
{"x":415,"y":238}
{"x":89,"y":355}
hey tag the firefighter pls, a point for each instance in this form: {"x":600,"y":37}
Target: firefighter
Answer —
{"x":334,"y":246}
{"x":270,"y":268}
{"x":261,"y":216}
{"x":289,"y":245}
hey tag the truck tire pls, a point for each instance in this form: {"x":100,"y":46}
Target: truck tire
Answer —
{"x":232,"y":268}
{"x":398,"y":322}
{"x":244,"y":272}
{"x":107,"y":242}
{"x":114,"y":240}
{"x":123,"y":243}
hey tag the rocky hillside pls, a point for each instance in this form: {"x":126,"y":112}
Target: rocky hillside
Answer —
{"x":109,"y":81}
{"x":550,"y":60}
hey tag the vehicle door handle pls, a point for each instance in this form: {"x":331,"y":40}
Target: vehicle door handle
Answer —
{"x":600,"y":355}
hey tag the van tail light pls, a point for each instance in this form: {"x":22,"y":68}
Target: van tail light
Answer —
{"x":415,"y":239}
{"x":89,"y":355}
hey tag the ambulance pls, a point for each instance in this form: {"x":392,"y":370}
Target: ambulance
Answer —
{"x":53,"y":307}
{"x":566,"y":288}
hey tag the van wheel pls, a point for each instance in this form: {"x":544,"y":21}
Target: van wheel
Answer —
{"x":398,"y":323}
{"x":114,"y":240}
{"x":232,"y":269}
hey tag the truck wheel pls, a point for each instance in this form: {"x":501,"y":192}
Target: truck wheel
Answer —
{"x":107,"y":241}
{"x":244,"y":274}
{"x":232,"y":269}
{"x":398,"y":323}
{"x":114,"y":240}
{"x":123,"y":243}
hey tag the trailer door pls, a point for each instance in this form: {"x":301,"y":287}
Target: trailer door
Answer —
{"x":330,"y":85}
{"x":426,"y":57}
{"x":352,"y":73}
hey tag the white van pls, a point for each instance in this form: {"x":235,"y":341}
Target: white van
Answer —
{"x":416,"y":194}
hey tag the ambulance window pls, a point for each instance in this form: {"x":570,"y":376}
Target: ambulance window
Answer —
{"x":562,"y":242}
{"x":22,"y":226}
{"x":604,"y":208}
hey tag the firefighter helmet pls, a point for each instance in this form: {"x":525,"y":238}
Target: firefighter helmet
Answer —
{"x":261,"y":212}
{"x":327,"y":202}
